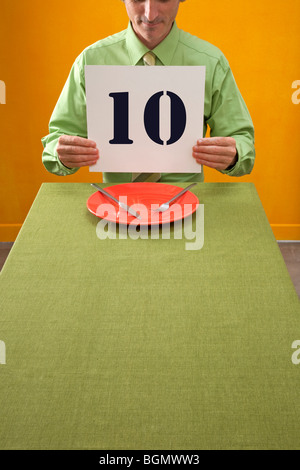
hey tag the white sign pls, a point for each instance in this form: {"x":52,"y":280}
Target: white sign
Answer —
{"x":145,"y":119}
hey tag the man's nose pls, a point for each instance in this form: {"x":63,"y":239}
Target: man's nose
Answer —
{"x":151,"y":10}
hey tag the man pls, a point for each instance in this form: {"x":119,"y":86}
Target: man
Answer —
{"x":152,"y":27}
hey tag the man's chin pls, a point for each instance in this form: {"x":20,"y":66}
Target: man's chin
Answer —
{"x":148,"y":33}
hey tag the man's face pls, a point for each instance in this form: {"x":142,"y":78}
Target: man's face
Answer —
{"x":152,"y":19}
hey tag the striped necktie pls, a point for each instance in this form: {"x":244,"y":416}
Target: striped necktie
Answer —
{"x":149,"y":59}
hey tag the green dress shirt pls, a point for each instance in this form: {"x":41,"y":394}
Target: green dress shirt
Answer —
{"x":224,"y":108}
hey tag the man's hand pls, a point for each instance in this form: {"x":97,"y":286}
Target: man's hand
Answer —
{"x":75,"y":152}
{"x":216,"y":152}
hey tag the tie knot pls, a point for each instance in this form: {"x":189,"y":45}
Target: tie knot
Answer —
{"x":149,"y":58}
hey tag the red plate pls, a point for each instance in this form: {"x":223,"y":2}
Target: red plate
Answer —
{"x":143,"y":198}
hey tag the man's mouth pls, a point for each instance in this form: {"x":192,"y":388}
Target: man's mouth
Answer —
{"x":150,"y":24}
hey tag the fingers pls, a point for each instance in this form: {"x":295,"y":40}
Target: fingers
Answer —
{"x":215,"y":152}
{"x":76,"y":140}
{"x":77,"y":161}
{"x":219,"y":141}
{"x":75,"y":152}
{"x":213,"y":162}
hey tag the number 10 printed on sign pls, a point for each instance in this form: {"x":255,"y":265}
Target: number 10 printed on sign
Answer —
{"x":145,"y":119}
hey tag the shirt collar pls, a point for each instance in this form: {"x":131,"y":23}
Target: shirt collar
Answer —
{"x":164,"y":51}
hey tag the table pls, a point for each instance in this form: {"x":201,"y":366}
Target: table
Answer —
{"x":142,"y":344}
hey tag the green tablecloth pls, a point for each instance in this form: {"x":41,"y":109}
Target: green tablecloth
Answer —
{"x":141,"y":344}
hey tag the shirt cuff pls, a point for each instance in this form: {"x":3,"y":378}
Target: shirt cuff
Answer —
{"x":65,"y":170}
{"x":232,"y":170}
{"x":51,"y":161}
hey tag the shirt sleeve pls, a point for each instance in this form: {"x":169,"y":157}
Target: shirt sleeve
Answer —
{"x":230,"y":118}
{"x":68,"y":118}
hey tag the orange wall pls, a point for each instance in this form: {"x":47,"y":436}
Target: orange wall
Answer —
{"x":40,"y":40}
